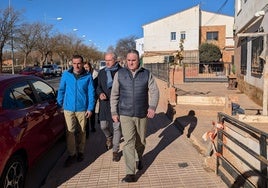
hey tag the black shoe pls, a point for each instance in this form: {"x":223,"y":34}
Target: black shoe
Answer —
{"x":129,"y":178}
{"x":116,"y":157}
{"x":80,"y":157}
{"x":69,"y":161}
{"x":139,"y":165}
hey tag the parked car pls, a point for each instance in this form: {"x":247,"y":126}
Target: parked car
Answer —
{"x":59,"y":70}
{"x":52,"y":70}
{"x":30,"y":123}
{"x":102,"y":65}
{"x":35,"y":71}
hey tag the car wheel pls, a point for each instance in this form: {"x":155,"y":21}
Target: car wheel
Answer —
{"x":14,"y":173}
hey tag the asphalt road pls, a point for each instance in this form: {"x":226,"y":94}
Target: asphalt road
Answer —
{"x":54,"y":82}
{"x":37,"y":175}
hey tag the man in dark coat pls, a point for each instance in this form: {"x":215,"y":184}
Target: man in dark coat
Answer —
{"x":105,"y":81}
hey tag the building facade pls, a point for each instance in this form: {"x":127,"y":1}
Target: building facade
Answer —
{"x":250,"y":28}
{"x":187,"y":29}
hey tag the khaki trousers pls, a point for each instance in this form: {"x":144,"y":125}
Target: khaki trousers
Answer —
{"x":75,"y":131}
{"x":134,"y":133}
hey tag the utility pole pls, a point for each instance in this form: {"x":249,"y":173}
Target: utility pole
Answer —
{"x":12,"y":39}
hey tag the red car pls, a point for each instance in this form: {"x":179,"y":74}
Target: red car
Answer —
{"x":35,"y":71}
{"x":30,"y":123}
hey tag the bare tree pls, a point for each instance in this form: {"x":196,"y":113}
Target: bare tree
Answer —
{"x":66,"y":46}
{"x":44,"y":44}
{"x":61,"y":42}
{"x":110,"y":49}
{"x":26,"y":38}
{"x":8,"y":20}
{"x":125,"y":44}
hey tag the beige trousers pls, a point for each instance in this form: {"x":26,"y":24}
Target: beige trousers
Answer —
{"x":75,"y":131}
{"x":134,"y":133}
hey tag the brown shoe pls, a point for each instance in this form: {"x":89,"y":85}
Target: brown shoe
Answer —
{"x":116,"y":156}
{"x":109,"y":143}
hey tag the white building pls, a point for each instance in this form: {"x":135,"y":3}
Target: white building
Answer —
{"x":193,"y":26}
{"x":139,"y":46}
{"x":251,"y":24}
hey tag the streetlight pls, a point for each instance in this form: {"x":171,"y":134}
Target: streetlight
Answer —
{"x":57,"y":18}
{"x":12,"y":52}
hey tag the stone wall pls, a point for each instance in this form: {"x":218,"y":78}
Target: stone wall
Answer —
{"x":251,"y":91}
{"x":167,"y":95}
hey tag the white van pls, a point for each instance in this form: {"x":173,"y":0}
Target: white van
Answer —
{"x":102,"y":65}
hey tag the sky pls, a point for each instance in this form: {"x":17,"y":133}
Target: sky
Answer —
{"x":102,"y":23}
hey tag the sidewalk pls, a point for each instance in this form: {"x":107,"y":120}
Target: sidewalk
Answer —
{"x":170,"y":160}
{"x":208,"y":113}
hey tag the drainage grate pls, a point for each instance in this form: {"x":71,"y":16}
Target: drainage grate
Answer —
{"x":182,"y":165}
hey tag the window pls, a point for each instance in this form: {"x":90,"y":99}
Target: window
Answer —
{"x":173,"y":36}
{"x":9,"y":102}
{"x":257,"y":63}
{"x":44,"y":91}
{"x":212,"y":35}
{"x":19,"y":96}
{"x":183,"y":35}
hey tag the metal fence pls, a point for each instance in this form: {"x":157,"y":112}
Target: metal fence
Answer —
{"x":193,"y":72}
{"x":159,"y":70}
{"x":8,"y":69}
{"x":242,"y":154}
{"x":206,"y":72}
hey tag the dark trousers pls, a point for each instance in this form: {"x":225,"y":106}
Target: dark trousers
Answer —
{"x":90,"y":123}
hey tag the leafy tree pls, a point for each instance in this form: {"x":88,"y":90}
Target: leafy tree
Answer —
{"x":209,"y":52}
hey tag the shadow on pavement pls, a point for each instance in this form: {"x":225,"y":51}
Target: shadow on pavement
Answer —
{"x":167,"y":136}
{"x":95,"y":147}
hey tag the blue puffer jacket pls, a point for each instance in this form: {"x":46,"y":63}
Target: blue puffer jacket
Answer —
{"x":76,"y":94}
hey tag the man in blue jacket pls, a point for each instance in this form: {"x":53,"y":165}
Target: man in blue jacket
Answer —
{"x":76,"y":96}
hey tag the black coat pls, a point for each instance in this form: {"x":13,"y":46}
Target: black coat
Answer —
{"x":104,"y":105}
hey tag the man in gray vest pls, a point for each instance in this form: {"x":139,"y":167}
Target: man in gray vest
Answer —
{"x":130,"y":105}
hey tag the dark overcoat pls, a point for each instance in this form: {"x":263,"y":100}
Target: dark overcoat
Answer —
{"x":104,"y":105}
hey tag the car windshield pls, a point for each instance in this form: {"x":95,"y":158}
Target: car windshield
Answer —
{"x":37,"y":68}
{"x":27,"y":69}
{"x":47,"y":66}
